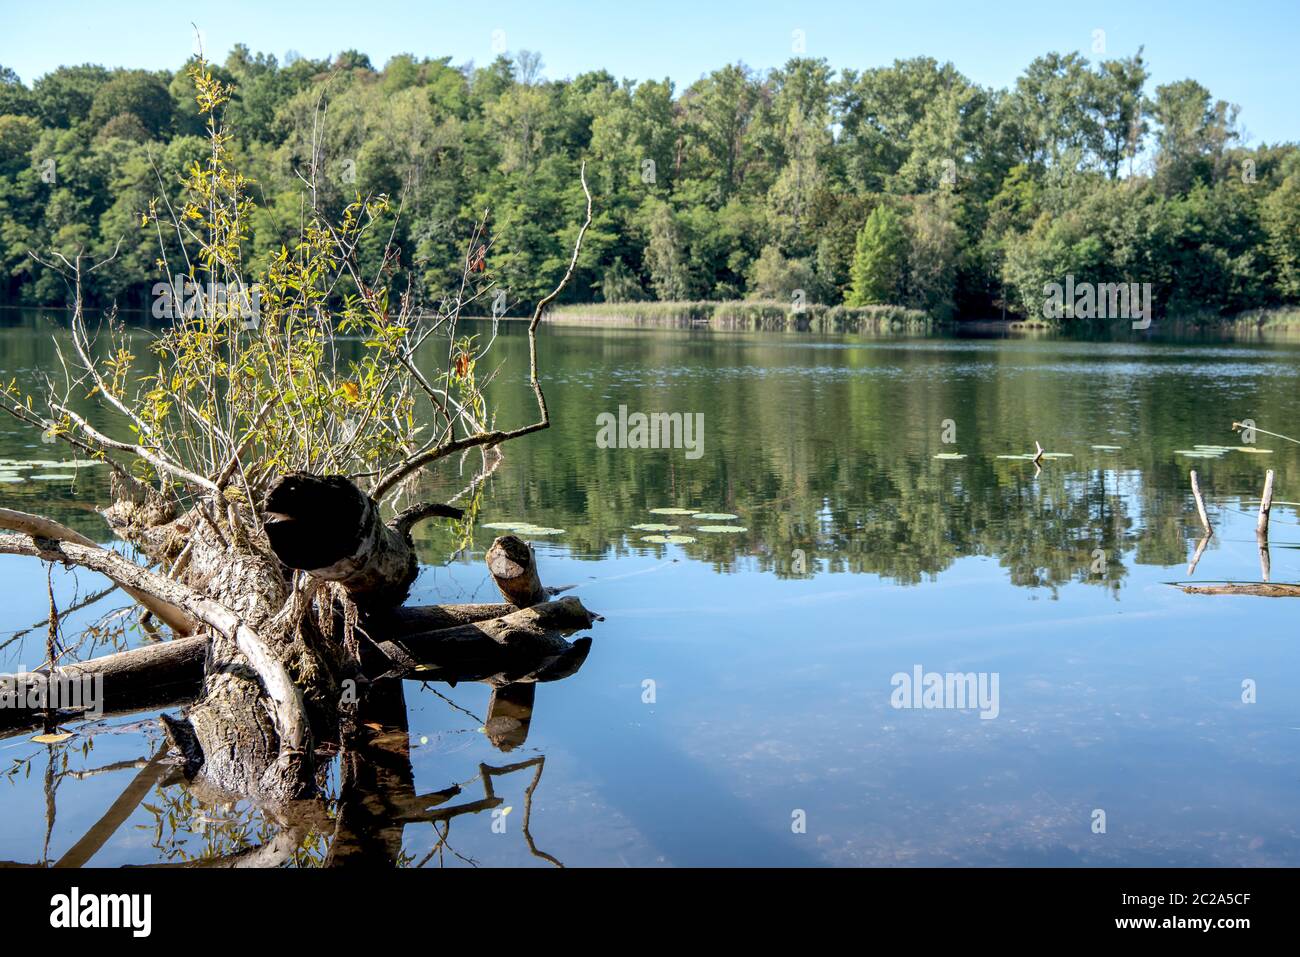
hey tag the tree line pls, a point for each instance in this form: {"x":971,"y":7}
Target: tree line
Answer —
{"x":905,"y":184}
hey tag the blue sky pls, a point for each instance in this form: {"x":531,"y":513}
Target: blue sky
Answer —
{"x":1246,"y":53}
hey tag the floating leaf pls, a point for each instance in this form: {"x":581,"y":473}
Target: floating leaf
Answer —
{"x":950,"y":455}
{"x":721,"y":528}
{"x":1198,"y":454}
{"x":672,"y":511}
{"x":1107,"y":448}
{"x":52,"y":738}
{"x":1018,"y":458}
{"x":668,"y":539}
{"x":1254,"y":451}
{"x":715,"y":516}
{"x":652,"y":527}
{"x":46,"y":477}
{"x":1057,"y":455}
{"x":523,"y":528}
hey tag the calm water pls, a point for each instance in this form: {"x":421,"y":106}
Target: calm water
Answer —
{"x":742,"y":683}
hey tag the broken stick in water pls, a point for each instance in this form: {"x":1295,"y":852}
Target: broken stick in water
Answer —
{"x":1261,"y":526}
{"x":1265,"y":503}
{"x":1200,"y":505}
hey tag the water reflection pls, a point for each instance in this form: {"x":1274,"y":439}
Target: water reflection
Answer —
{"x":372,"y":800}
{"x":772,"y":649}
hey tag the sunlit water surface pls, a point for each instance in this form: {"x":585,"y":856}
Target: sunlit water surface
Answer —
{"x":741,"y":684}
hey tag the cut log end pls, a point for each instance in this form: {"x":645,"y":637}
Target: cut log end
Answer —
{"x":514,"y":568}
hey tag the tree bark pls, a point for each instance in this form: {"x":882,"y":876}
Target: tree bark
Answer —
{"x":267,"y":667}
{"x":329,"y":528}
{"x":514,"y":568}
{"x":160,"y":675}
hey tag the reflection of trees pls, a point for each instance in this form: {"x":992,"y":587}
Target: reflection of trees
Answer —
{"x":831,"y":451}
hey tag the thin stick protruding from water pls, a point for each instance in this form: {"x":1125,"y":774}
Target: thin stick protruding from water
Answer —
{"x":1200,"y":505}
{"x":1238,"y":426}
{"x":1265,"y":503}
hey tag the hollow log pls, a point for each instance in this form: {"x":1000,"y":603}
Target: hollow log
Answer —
{"x":514,"y":568}
{"x":266,"y":669}
{"x":329,"y":528}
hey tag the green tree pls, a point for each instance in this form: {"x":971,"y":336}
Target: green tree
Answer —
{"x":878,"y":259}
{"x":138,"y":93}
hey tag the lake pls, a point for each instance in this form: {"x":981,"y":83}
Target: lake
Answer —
{"x":739,"y":704}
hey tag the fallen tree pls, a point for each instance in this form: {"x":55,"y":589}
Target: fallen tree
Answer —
{"x":269,"y":485}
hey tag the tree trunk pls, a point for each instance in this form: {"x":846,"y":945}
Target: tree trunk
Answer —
{"x":276,"y":651}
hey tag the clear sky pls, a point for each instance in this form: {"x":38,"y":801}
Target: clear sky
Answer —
{"x":1247,"y":53}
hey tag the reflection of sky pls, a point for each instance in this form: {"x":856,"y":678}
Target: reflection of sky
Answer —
{"x":773,"y":695}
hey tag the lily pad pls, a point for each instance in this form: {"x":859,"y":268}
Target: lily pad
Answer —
{"x":653,"y":527}
{"x":721,"y":528}
{"x":668,"y":539}
{"x":715,"y":516}
{"x":523,"y":528}
{"x":1254,"y":451}
{"x":672,"y":511}
{"x":46,"y":477}
{"x":1108,"y":448}
{"x":1018,"y":458}
{"x":950,"y":455}
{"x":1057,"y":455}
{"x":1198,"y":454}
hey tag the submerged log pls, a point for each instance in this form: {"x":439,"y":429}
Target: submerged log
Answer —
{"x":265,"y":669}
{"x":525,"y":645}
{"x":1258,"y":589}
{"x":161,"y":675}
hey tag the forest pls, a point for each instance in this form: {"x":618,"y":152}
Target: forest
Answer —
{"x":905,"y":185}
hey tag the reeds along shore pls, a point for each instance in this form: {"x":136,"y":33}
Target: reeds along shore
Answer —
{"x":748,"y":314}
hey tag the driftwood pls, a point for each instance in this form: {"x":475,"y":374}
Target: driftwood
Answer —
{"x":161,"y":675}
{"x":495,"y":643}
{"x":1258,"y":589}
